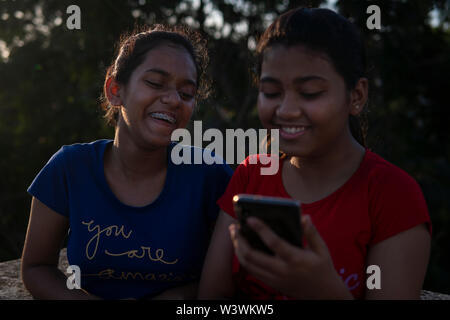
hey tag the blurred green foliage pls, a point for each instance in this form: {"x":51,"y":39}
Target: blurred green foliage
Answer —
{"x":51,"y":81}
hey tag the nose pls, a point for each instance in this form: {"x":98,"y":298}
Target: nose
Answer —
{"x":171,"y":97}
{"x":289,"y":107}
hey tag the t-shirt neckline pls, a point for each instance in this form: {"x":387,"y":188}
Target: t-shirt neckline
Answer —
{"x":159,"y":199}
{"x":331,"y":195}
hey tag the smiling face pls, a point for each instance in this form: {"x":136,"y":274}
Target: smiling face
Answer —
{"x":159,"y":96}
{"x":302,"y":95}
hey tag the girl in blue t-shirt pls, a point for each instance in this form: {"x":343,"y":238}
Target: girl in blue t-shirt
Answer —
{"x":138,"y":225}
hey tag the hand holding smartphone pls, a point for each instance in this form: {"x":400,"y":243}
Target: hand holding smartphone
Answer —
{"x":280,"y":214}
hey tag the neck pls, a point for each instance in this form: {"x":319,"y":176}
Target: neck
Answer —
{"x":134,"y":162}
{"x":340,"y":160}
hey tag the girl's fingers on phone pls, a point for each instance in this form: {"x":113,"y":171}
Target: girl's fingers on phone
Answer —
{"x":252,"y":258}
{"x":279,"y":246}
{"x":262,"y":272}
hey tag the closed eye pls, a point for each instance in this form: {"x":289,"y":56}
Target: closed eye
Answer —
{"x":311,"y":95}
{"x":154,"y":84}
{"x":271,"y":95}
{"x":186,"y":96}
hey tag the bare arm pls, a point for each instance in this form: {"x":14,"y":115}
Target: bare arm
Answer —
{"x":216,"y":280}
{"x":403,"y":261}
{"x":40,"y":274}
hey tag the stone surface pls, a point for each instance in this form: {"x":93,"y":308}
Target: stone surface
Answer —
{"x":12,"y":288}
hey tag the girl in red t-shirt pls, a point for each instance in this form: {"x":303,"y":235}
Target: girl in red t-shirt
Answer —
{"x":365,"y":221}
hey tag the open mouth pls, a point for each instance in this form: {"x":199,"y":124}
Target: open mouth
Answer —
{"x":293,"y":130}
{"x":163,"y":116}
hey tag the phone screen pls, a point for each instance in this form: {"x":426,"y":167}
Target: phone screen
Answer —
{"x":280,"y":214}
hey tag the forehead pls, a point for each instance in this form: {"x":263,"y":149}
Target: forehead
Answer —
{"x":173,"y":59}
{"x":296,"y":61}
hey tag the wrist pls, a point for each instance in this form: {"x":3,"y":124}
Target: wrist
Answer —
{"x":330,"y":287}
{"x":337,"y":290}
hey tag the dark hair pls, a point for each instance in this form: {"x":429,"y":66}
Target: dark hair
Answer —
{"x":324,"y":31}
{"x":133,"y":47}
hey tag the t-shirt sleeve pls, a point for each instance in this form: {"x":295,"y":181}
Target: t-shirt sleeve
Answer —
{"x":50,"y":185}
{"x":397,"y":204}
{"x":238,"y":184}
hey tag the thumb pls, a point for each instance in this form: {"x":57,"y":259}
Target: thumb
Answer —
{"x":315,"y":241}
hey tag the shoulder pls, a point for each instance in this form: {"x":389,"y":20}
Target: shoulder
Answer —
{"x":260,"y":165}
{"x":74,"y":153}
{"x":391,"y":189}
{"x":396,"y":201}
{"x":84,"y":148}
{"x":257,"y":170}
{"x":386,"y":176}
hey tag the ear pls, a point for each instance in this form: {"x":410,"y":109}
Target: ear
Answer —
{"x":358,"y":96}
{"x":113,"y":92}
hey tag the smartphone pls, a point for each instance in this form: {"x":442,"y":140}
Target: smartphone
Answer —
{"x":280,"y":214}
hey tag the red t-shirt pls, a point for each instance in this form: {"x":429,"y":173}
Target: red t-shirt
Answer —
{"x":378,"y":201}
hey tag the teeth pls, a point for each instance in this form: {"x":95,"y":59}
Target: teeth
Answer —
{"x":162,"y":116}
{"x":293,"y":129}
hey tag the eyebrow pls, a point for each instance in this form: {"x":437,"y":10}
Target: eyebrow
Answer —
{"x":166,"y":74}
{"x":298,"y":80}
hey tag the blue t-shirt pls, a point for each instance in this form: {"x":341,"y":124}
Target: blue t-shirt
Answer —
{"x":125,"y":251}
